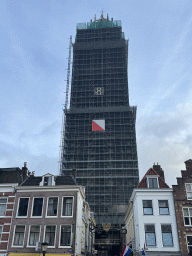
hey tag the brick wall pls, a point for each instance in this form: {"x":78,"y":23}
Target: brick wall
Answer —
{"x":5,"y":221}
{"x":42,"y":220}
{"x":180,"y":199}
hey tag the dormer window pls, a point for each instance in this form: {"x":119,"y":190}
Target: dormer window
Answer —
{"x":152,"y":181}
{"x":47,"y":180}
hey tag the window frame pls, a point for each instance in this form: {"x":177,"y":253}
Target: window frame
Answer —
{"x":67,"y":216}
{"x":42,"y":183}
{"x":65,"y":246}
{"x":151,"y":224}
{"x":29,"y":232}
{"x":33,"y":207}
{"x":164,"y":207}
{"x":147,"y":207}
{"x":152,"y":177}
{"x":55,"y":216}
{"x":18,"y":207}
{"x":20,"y":246}
{"x":188,"y":243}
{"x":45,"y":227}
{"x":5,"y":205}
{"x":49,"y":179}
{"x":188,"y":191}
{"x":189,"y":216}
{"x":166,"y":233}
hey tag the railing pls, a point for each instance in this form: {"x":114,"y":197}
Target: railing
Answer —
{"x":107,"y":241}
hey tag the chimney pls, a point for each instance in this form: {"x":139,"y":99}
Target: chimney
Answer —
{"x":159,"y":170}
{"x":32,"y":174}
{"x":74,"y":173}
{"x":24,"y":171}
{"x":188,"y":165}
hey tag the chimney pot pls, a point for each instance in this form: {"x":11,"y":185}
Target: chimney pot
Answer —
{"x":159,"y":170}
{"x":24,"y":171}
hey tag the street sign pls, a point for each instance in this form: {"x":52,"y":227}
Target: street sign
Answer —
{"x":38,"y":246}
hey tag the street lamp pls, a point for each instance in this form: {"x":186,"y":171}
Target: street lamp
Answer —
{"x":123,"y":230}
{"x":44,"y":248}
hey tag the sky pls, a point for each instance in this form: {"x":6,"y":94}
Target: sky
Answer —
{"x":33,"y":71}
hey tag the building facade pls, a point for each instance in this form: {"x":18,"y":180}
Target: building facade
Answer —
{"x":151,"y":220}
{"x":7,"y":201}
{"x":99,"y":138}
{"x":183,"y":205}
{"x":50,"y":209}
{"x":9,"y":180}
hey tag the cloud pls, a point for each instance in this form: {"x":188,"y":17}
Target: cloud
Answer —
{"x":166,"y":138}
{"x":41,"y":164}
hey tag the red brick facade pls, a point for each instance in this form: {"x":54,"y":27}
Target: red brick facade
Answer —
{"x":143,"y":183}
{"x":5,"y":221}
{"x":181,"y":201}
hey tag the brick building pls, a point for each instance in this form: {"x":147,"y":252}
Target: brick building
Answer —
{"x":183,"y":205}
{"x":50,"y":209}
{"x":7,"y":198}
{"x":9,"y":179}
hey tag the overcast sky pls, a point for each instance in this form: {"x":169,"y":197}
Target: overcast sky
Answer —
{"x":33,"y":62}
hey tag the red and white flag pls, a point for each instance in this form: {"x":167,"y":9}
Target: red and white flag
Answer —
{"x":98,"y":125}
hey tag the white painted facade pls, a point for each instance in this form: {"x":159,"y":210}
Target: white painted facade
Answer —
{"x":79,"y":223}
{"x":141,"y":219}
{"x":83,"y":235}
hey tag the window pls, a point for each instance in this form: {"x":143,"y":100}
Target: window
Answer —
{"x":23,"y":207}
{"x":37,"y":206}
{"x":52,"y":206}
{"x":187,"y":214}
{"x":50,"y":235}
{"x":67,"y":206}
{"x":188,"y":187}
{"x":167,"y":235}
{"x":3,"y":206}
{"x":1,"y":230}
{"x":34,"y":235}
{"x":189,"y":243}
{"x":150,"y":235}
{"x":47,"y":181}
{"x":147,"y":207}
{"x":163,"y":207}
{"x":65,"y":235}
{"x":153,"y":182}
{"x":19,"y":235}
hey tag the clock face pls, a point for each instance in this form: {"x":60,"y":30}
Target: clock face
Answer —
{"x":99,"y":91}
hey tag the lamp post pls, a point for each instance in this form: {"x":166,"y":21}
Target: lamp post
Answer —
{"x":44,"y":248}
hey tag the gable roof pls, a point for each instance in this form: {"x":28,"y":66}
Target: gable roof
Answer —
{"x":151,"y":171}
{"x":59,"y":180}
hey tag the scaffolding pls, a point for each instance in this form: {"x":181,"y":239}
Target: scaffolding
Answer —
{"x":106,"y":162}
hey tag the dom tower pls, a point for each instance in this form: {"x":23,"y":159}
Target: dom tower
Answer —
{"x":99,"y":138}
